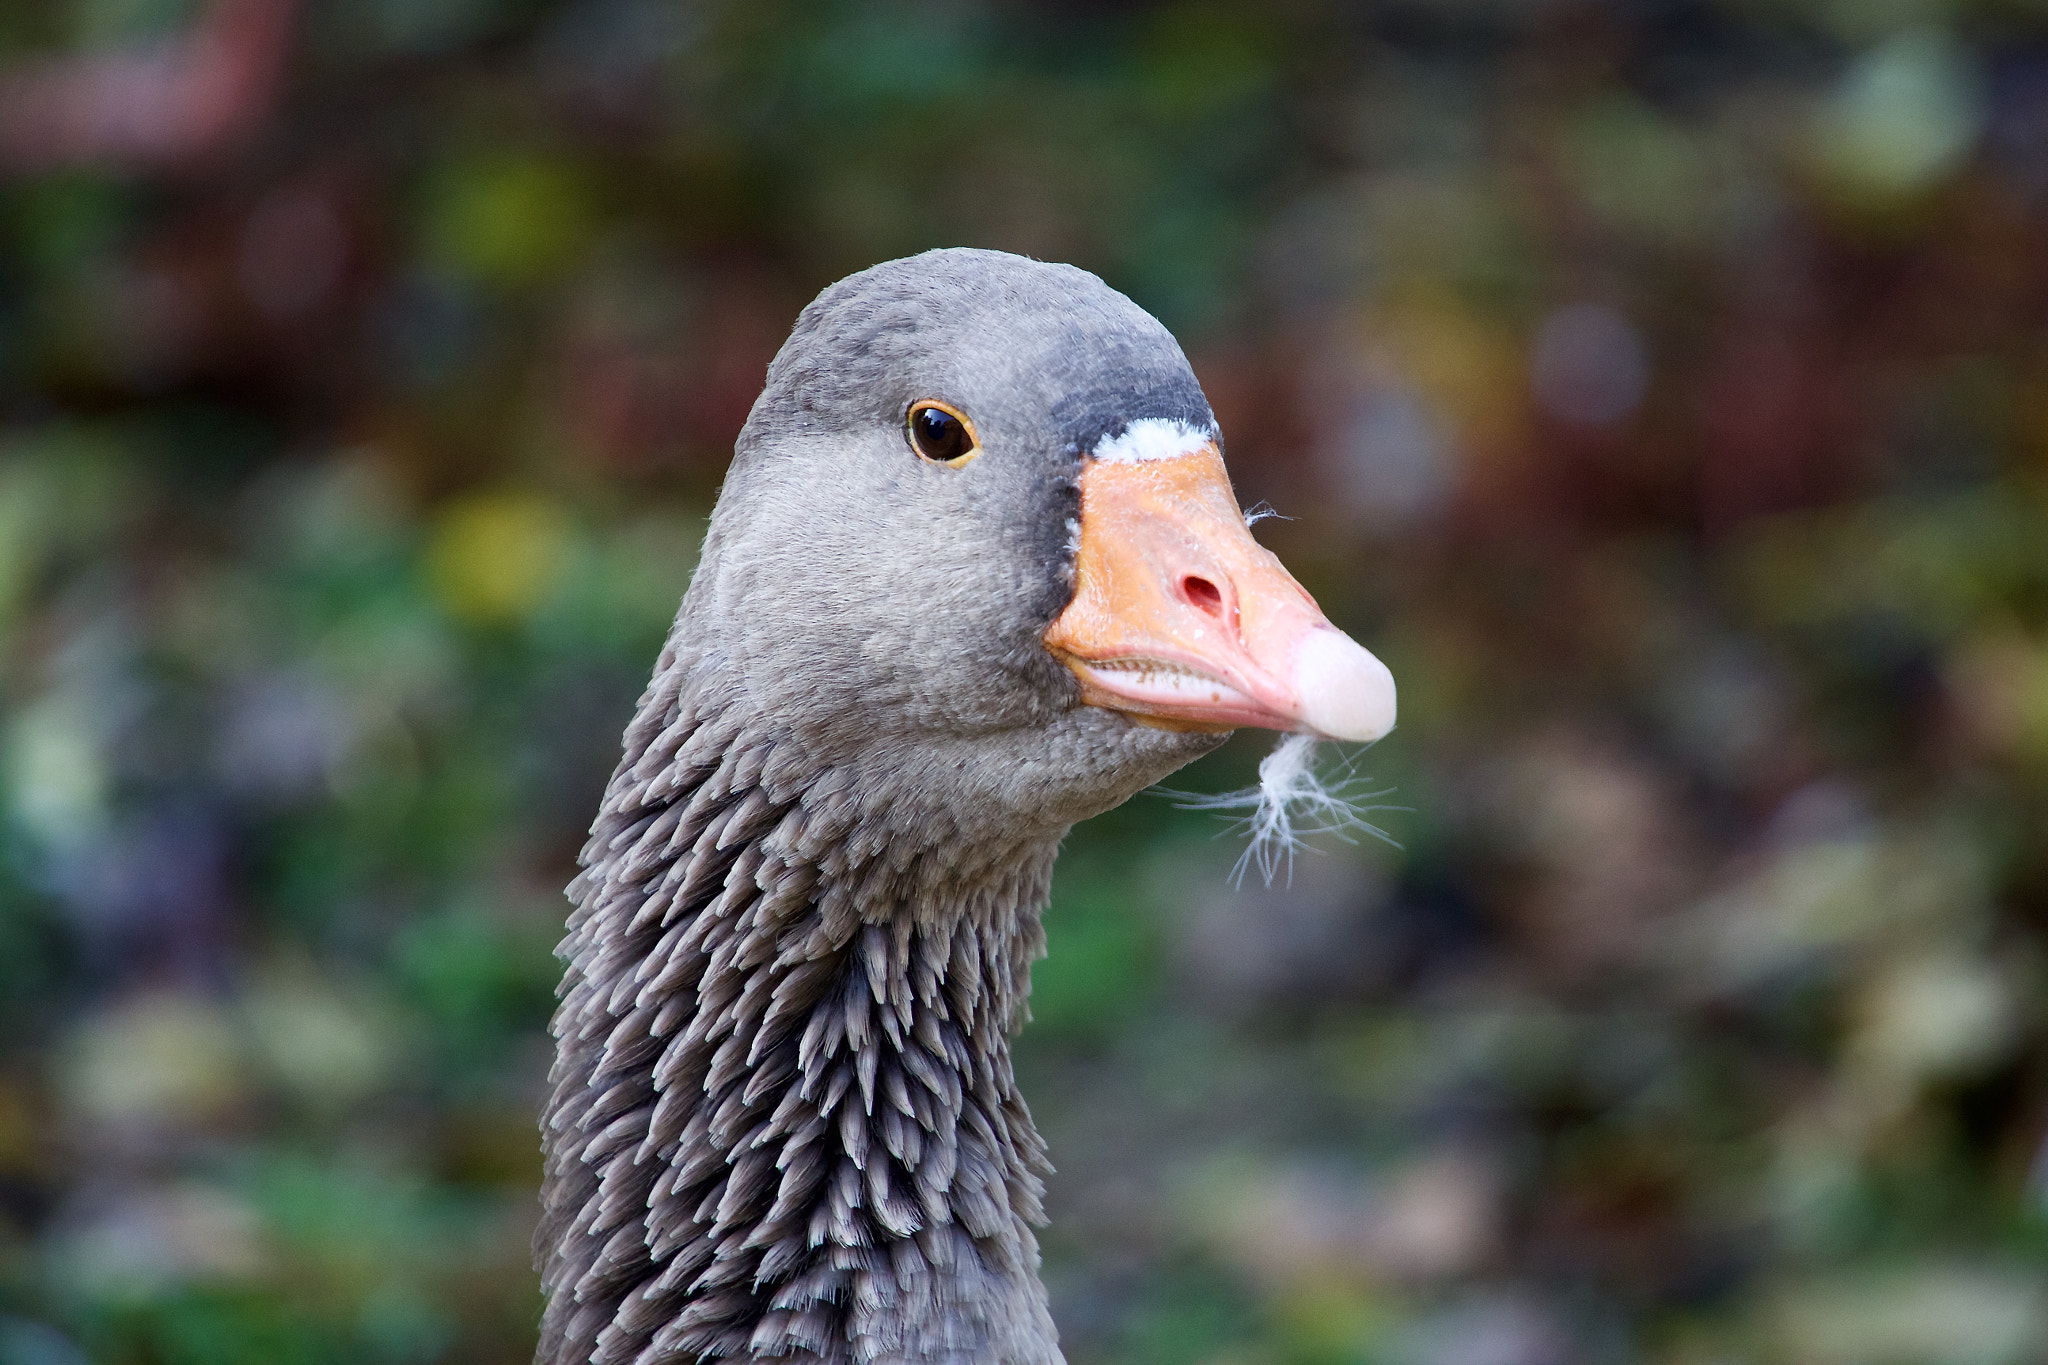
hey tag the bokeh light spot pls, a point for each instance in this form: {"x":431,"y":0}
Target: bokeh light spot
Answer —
{"x":495,"y":556}
{"x":1903,"y":117}
{"x":512,"y":220}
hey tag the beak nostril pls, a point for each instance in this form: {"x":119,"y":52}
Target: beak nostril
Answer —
{"x":1203,"y":594}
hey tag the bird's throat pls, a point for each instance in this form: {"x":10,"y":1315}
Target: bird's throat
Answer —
{"x":784,"y":1123}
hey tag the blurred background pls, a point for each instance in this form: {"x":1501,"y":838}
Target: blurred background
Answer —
{"x":1660,"y":386}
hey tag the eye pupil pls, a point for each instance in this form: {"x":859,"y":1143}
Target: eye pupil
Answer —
{"x":938,"y":434}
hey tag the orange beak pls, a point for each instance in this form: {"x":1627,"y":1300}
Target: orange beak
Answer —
{"x":1180,"y":618}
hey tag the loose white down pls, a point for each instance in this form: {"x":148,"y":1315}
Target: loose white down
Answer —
{"x":1291,"y":802}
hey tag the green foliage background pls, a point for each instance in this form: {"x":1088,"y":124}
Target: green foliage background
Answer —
{"x":1660,"y":386}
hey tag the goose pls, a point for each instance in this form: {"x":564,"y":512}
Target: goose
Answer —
{"x":976,"y":573}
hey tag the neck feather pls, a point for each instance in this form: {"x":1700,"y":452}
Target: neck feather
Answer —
{"x":784,"y":1124}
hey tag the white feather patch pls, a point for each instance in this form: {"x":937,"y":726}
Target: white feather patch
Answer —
{"x":1153,"y":438}
{"x":1292,"y":802}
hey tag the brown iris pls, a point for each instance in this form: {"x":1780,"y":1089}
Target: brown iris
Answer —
{"x":942,"y":434}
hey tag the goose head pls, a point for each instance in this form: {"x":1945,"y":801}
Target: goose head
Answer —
{"x":978,"y":539}
{"x":975,"y":574}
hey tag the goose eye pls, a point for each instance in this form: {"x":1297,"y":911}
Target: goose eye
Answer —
{"x":941,"y":435}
